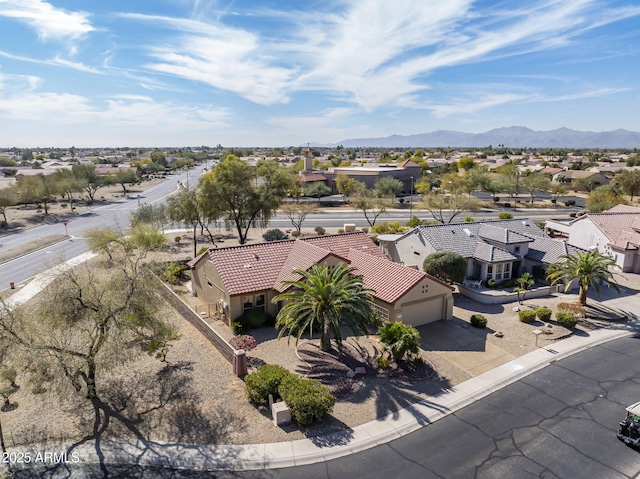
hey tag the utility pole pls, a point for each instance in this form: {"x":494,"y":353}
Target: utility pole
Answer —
{"x":411,"y":199}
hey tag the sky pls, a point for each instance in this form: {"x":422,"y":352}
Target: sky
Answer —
{"x":163,"y":73}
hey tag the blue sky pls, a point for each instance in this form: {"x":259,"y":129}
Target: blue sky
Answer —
{"x":279,"y":73}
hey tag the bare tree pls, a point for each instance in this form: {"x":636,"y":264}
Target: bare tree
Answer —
{"x":297,"y":212}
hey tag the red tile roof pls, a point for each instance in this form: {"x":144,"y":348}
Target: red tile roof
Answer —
{"x":617,"y":224}
{"x":258,"y":267}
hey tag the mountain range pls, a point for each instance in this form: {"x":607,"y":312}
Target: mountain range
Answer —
{"x":513,"y":137}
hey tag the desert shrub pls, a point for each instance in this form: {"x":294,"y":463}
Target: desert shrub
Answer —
{"x":172,"y":272}
{"x":365,"y":229}
{"x":264,"y":381}
{"x":309,"y":400}
{"x":567,"y":320}
{"x":527,"y":315}
{"x":505,"y":215}
{"x":399,"y":339}
{"x":572,"y":308}
{"x":543,"y":314}
{"x":469,"y":219}
{"x":177,"y":239}
{"x":390,"y":227}
{"x":295,"y":233}
{"x":478,"y":321}
{"x":63,"y":205}
{"x":414,"y":222}
{"x":236,"y":327}
{"x":320,"y":230}
{"x":383,"y":363}
{"x":255,"y":318}
{"x":340,"y":230}
{"x":491,"y":283}
{"x":274,"y":235}
{"x":244,"y":341}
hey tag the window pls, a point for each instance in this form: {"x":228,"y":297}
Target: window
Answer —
{"x":247,"y":304}
{"x":260,"y":301}
{"x":502,"y":271}
{"x":517,"y":250}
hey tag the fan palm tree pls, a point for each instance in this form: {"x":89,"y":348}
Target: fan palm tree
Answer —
{"x":589,"y":269}
{"x":323,"y":299}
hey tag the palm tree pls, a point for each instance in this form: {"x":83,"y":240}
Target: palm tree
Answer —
{"x":590,"y":269}
{"x":524,"y":282}
{"x":323,"y":299}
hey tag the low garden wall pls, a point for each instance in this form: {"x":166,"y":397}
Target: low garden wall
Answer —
{"x":496,"y":296}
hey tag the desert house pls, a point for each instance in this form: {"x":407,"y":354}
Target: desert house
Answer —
{"x":236,"y":279}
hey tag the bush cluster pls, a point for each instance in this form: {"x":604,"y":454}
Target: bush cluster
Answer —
{"x":527,"y":316}
{"x":320,"y":230}
{"x":478,"y":321}
{"x":274,"y":235}
{"x":310,"y":401}
{"x":543,"y":314}
{"x":170,"y":272}
{"x":255,"y":318}
{"x":491,"y":283}
{"x":399,"y":339}
{"x":567,"y":320}
{"x":264,"y":381}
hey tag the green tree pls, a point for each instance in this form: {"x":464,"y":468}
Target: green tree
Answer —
{"x":604,"y":198}
{"x":557,"y":190}
{"x":466,"y":163}
{"x":154,"y":215}
{"x":91,"y":181}
{"x":588,"y":269}
{"x":399,"y":339}
{"x":446,"y":265}
{"x":233,"y":191}
{"x":323,"y":300}
{"x":68,"y":185}
{"x":524,"y":282}
{"x":186,"y":207}
{"x":349,"y":186}
{"x":316,"y":189}
{"x":387,"y":187}
{"x":159,"y":158}
{"x":94,"y":320}
{"x":7,"y":199}
{"x":629,"y":182}
{"x":534,"y":182}
{"x":124,"y":177}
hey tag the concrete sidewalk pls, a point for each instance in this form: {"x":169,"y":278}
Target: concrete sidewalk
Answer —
{"x":349,"y":441}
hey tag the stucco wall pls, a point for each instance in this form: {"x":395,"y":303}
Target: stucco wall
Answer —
{"x":410,"y":250}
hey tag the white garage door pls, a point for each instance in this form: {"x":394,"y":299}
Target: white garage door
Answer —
{"x":417,"y":314}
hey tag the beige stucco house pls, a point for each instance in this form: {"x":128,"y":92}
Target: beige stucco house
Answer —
{"x":236,"y":279}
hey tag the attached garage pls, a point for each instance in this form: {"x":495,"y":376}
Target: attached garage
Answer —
{"x":422,"y":312}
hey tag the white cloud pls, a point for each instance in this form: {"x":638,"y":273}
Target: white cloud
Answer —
{"x":56,"y":61}
{"x":47,"y":20}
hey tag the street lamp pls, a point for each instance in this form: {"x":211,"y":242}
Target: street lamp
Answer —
{"x":411,"y":199}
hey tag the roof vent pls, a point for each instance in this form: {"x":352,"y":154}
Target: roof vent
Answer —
{"x":256,"y":256}
{"x":525,"y":222}
{"x":468,"y":232}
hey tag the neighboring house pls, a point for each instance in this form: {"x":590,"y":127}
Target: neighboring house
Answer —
{"x":236,"y":279}
{"x":615,"y":233}
{"x":581,"y":179}
{"x":498,"y":249}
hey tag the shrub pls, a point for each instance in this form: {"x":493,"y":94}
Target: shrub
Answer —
{"x":63,"y":205}
{"x":365,"y":229}
{"x":202,"y":250}
{"x":469,"y":219}
{"x":388,"y":228}
{"x":178,"y":239}
{"x":505,"y":215}
{"x":264,"y":381}
{"x":383,"y":363}
{"x":543,"y":314}
{"x":274,"y":235}
{"x":236,"y":327}
{"x":340,"y":230}
{"x":567,"y":320}
{"x":491,"y":283}
{"x":527,"y":315}
{"x":244,"y":341}
{"x":172,"y":272}
{"x":255,"y":318}
{"x":310,"y":401}
{"x":320,"y":230}
{"x":478,"y":321}
{"x":414,"y":222}
{"x":295,"y":233}
{"x":399,"y":339}
{"x":447,"y":265}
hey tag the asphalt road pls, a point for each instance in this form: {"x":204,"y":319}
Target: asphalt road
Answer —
{"x":559,"y":422}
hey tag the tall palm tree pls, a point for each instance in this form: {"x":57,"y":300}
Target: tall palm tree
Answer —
{"x":589,"y":269}
{"x":323,"y":299}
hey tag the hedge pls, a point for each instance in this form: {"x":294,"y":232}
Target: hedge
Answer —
{"x":264,"y":381}
{"x":567,"y":320}
{"x":543,"y":314}
{"x":309,"y":400}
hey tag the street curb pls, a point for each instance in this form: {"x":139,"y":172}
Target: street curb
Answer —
{"x":342,"y":443}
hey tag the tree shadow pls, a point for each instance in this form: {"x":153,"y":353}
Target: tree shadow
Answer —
{"x":134,"y":409}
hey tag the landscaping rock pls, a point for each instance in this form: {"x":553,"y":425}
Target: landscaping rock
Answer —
{"x":498,"y":334}
{"x":350,"y":374}
{"x":360,"y":370}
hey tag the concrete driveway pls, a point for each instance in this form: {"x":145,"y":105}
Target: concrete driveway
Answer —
{"x":465,"y":347}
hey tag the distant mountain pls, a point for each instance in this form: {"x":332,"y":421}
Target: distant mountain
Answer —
{"x":513,"y":137}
